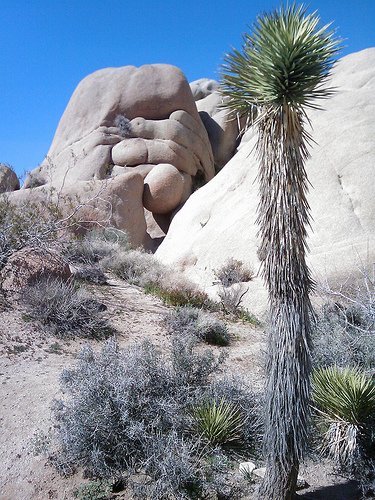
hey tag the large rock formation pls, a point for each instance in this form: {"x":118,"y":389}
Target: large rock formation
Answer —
{"x":223,"y":127}
{"x":129,"y":120}
{"x":218,"y":221}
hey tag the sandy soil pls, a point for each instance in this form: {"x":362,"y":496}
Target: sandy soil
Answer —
{"x":31,"y":362}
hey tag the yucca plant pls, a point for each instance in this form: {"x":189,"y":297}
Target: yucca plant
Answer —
{"x":220,"y":422}
{"x":280,"y":72}
{"x":344,"y":401}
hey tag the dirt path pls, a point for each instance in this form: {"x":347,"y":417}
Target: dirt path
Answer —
{"x":30,"y":365}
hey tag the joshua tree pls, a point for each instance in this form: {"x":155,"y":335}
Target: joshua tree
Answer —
{"x":280,"y":72}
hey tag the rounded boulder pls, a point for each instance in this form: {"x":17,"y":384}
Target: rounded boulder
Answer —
{"x":163,"y":189}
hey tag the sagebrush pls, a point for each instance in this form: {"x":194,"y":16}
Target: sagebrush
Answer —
{"x":131,"y":410}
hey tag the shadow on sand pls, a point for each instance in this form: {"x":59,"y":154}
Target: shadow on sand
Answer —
{"x":343,"y":491}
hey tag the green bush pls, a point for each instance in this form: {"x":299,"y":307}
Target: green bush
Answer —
{"x":345,"y":405}
{"x":219,"y":422}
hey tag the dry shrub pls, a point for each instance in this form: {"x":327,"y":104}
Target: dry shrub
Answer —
{"x":233,"y":271}
{"x":344,"y":333}
{"x":131,"y":410}
{"x":143,"y":269}
{"x":193,"y":321}
{"x":65,"y":310}
{"x":96,"y":245}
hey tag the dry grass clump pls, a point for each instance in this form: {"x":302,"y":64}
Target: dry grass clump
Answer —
{"x":132,"y":410}
{"x":193,"y":321}
{"x":143,"y":269}
{"x":96,"y":245}
{"x":91,"y":274}
{"x":135,"y":267}
{"x":233,"y":271}
{"x":65,"y":310}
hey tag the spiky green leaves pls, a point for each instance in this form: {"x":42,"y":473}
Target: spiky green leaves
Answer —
{"x":219,"y":422}
{"x":346,"y":394}
{"x":345,"y":404}
{"x":285,"y":60}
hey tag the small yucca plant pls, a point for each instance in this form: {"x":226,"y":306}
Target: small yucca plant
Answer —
{"x":219,"y":422}
{"x":344,"y":400}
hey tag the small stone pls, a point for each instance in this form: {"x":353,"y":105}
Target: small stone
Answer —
{"x":260,"y":472}
{"x":247,"y":467}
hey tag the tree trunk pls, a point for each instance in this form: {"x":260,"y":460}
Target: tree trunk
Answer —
{"x":283,"y":218}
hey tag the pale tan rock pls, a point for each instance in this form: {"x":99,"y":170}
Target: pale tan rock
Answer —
{"x":219,"y":220}
{"x":139,"y":151}
{"x":222,"y":126}
{"x":8,"y":179}
{"x":29,"y":265}
{"x":143,"y":170}
{"x":203,"y":87}
{"x":81,"y":148}
{"x":164,"y":187}
{"x":116,"y":201}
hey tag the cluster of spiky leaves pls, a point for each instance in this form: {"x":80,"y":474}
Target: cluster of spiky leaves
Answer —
{"x":285,"y":60}
{"x":344,"y":393}
{"x":219,"y":421}
{"x":345,"y":404}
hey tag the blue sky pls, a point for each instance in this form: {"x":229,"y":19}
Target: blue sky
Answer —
{"x":48,"y":46}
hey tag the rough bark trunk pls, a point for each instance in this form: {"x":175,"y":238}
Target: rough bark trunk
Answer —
{"x":283,"y":218}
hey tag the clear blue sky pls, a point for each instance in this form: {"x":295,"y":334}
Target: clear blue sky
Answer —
{"x":48,"y":46}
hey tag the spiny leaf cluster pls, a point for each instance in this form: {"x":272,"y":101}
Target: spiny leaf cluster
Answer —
{"x":285,"y":60}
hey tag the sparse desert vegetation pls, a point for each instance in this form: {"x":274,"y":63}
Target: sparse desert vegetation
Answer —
{"x":165,"y":332}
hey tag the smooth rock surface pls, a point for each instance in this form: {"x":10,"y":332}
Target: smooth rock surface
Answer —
{"x":82,"y":146}
{"x":115,"y":202}
{"x":219,"y":220}
{"x":164,"y":187}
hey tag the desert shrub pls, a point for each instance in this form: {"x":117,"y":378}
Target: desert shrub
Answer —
{"x":67,"y":311}
{"x":25,"y":226}
{"x":336,"y":342}
{"x":96,"y":245}
{"x":345,"y":404}
{"x":179,"y":292}
{"x":194,"y":321}
{"x":94,"y":490}
{"x":135,"y":267}
{"x":91,"y":274}
{"x":233,"y":271}
{"x":131,"y":410}
{"x":345,"y":324}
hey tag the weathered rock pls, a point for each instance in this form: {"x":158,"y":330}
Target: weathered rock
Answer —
{"x":142,"y":117}
{"x":223,"y":127}
{"x":86,"y":134}
{"x":29,"y":265}
{"x":164,"y":187}
{"x":219,"y":220}
{"x":8,"y":179}
{"x":203,"y":87}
